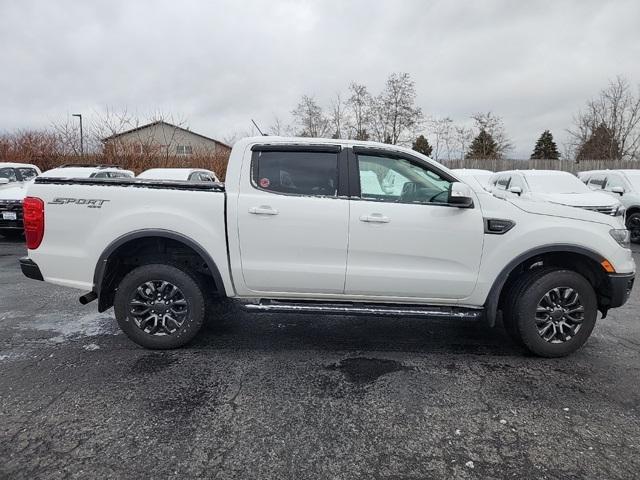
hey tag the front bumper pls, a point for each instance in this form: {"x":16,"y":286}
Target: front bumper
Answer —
{"x":30,"y":269}
{"x":620,"y":285}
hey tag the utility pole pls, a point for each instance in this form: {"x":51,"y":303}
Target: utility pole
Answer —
{"x":79,"y":115}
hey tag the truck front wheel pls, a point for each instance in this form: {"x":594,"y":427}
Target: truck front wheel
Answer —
{"x":159,"y":306}
{"x":552,"y":311}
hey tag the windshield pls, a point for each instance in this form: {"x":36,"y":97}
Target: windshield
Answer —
{"x":556,"y":183}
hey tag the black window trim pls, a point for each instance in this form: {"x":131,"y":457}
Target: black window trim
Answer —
{"x":285,"y":147}
{"x":354,"y":173}
{"x":342,"y":173}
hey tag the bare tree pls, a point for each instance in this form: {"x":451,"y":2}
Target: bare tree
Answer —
{"x":396,"y":117}
{"x":279,"y":128}
{"x":338,"y":119}
{"x":311,"y":119}
{"x":617,"y":109}
{"x":67,"y":132}
{"x":494,"y":126}
{"x":463,"y":136}
{"x":359,"y":105}
{"x":441,"y":131}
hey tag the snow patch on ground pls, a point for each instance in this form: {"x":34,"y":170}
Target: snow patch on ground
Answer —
{"x":9,"y":356}
{"x":91,"y":347}
{"x":68,"y":326}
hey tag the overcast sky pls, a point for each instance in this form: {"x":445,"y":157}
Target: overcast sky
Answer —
{"x":218,"y":64}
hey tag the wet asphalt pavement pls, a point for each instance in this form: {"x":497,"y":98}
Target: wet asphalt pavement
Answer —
{"x":297,"y":397}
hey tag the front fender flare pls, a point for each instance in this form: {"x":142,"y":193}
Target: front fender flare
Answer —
{"x":491,"y":303}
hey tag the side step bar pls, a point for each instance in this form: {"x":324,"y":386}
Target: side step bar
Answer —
{"x":373,"y":309}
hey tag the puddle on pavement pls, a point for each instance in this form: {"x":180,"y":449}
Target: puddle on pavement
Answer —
{"x":361,"y":371}
{"x":152,"y":363}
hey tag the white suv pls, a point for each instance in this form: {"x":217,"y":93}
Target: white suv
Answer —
{"x":553,"y":186}
{"x":183,"y":174}
{"x":88,"y":171}
{"x":475,"y":175}
{"x":14,"y":178}
{"x":623,"y":185}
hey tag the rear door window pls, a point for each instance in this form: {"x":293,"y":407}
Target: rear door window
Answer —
{"x":503,"y":182}
{"x":597,"y":182}
{"x":296,"y":172}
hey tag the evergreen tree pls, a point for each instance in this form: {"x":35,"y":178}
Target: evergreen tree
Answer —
{"x":545,"y":148}
{"x":601,"y":145}
{"x":483,"y":146}
{"x":422,"y":145}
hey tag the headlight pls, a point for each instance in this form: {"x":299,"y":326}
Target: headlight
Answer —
{"x":622,"y":236}
{"x":620,"y":211}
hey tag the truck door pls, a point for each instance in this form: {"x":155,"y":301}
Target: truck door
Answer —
{"x":406,"y":241}
{"x":292,"y":221}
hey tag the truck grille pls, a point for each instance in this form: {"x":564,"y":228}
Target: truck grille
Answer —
{"x":8,"y":206}
{"x":606,"y":210}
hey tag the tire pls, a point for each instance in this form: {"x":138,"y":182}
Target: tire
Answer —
{"x":12,"y":234}
{"x":152,"y":321}
{"x":529,"y":292}
{"x":633,"y":225}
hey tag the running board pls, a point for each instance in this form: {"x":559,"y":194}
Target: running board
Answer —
{"x":373,"y":309}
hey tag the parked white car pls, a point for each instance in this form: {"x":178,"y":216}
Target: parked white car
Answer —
{"x":475,"y":175}
{"x":88,"y":171}
{"x":327,"y":226}
{"x":553,"y":186}
{"x":184,"y":174}
{"x":624,"y":185}
{"x":14,"y":178}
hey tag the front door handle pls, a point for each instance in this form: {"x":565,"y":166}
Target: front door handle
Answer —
{"x":263,"y":210}
{"x":375,"y":218}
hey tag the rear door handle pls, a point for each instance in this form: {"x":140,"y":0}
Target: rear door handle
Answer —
{"x":263,"y":210}
{"x":375,"y":218}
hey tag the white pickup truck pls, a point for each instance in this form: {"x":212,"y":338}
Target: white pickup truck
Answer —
{"x":295,"y":229}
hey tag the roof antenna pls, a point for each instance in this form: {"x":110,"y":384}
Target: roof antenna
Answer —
{"x":256,"y":125}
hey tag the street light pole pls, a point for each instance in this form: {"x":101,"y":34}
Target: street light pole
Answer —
{"x":79,"y":115}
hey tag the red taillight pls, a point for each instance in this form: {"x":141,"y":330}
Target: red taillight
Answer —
{"x":33,"y":216}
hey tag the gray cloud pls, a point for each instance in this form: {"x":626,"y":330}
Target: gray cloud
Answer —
{"x":218,"y":64}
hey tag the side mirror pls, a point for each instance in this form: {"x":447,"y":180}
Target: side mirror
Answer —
{"x":460,"y":195}
{"x":618,"y":190}
{"x":4,"y":181}
{"x":516,"y":190}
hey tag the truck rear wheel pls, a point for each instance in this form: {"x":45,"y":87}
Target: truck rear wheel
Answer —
{"x":159,"y":306}
{"x":552,"y":311}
